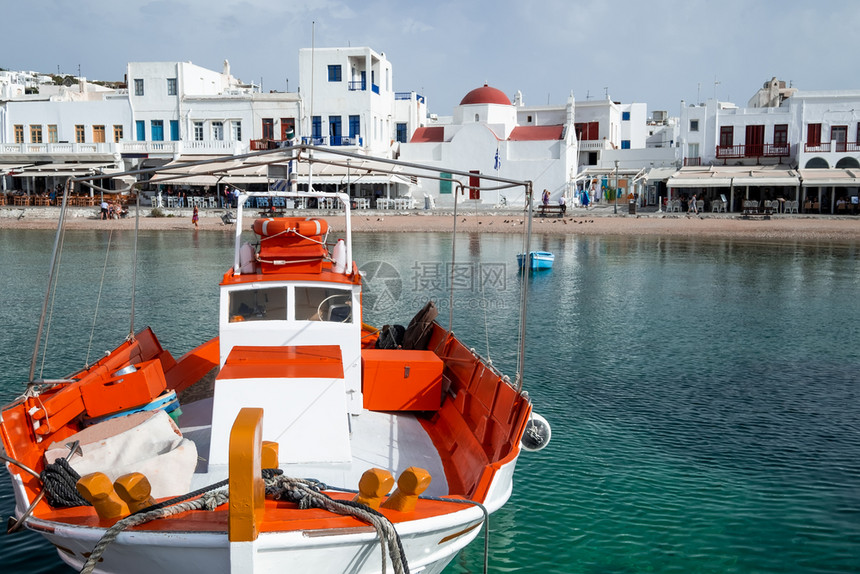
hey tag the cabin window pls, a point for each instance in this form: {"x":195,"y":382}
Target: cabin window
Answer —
{"x":323,"y":304}
{"x":258,"y":305}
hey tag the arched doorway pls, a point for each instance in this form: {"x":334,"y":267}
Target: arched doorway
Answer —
{"x":847,"y":162}
{"x":817,"y":163}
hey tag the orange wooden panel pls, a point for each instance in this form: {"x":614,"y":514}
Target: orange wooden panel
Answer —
{"x":484,"y":386}
{"x":192,"y":366}
{"x":309,"y":361}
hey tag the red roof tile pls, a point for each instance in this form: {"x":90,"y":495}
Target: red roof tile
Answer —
{"x":536,"y":133}
{"x":432,"y":134}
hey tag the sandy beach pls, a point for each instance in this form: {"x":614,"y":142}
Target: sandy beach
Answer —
{"x":600,"y":221}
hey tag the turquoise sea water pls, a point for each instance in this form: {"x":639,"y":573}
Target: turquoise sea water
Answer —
{"x":703,"y":393}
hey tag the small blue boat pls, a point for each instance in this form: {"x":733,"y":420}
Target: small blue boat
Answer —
{"x":536,"y":260}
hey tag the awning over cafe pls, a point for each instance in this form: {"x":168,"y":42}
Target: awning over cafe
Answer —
{"x":61,"y":169}
{"x":660,"y":173}
{"x":218,"y":169}
{"x":12,"y":168}
{"x":738,"y":176}
{"x":830,"y":177}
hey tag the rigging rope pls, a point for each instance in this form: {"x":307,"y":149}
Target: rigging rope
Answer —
{"x":53,"y":288}
{"x":98,"y":299}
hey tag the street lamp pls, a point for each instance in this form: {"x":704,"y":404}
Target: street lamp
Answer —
{"x":615,"y":207}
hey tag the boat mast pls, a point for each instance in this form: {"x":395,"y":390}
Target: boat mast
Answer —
{"x":524,"y":293}
{"x":134,"y":261}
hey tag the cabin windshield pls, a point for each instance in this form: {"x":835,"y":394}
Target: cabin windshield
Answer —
{"x":269,"y":304}
{"x":323,"y":304}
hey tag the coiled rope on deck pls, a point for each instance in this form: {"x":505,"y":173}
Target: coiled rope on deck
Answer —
{"x":305,"y":493}
{"x":59,"y":480}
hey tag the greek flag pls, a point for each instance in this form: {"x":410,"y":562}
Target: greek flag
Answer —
{"x":279,"y":185}
{"x":498,"y":162}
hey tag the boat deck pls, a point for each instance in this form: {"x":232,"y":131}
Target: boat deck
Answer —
{"x":404,"y":440}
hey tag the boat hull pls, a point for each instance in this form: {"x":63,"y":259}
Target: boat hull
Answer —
{"x":536,"y":260}
{"x":429,"y":546}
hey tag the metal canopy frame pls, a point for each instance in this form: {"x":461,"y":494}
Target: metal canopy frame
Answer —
{"x":311,"y":156}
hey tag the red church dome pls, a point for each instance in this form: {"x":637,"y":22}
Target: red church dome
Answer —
{"x":485,"y":95}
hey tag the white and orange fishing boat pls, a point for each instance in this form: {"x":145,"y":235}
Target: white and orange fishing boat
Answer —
{"x":298,"y":438}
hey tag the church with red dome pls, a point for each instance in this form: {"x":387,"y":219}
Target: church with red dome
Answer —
{"x":492,"y":133}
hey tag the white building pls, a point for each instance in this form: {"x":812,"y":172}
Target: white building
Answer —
{"x":489,"y":135}
{"x":787,"y":144}
{"x":176,"y":111}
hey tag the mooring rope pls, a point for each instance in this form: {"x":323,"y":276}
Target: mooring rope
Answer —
{"x":305,"y":493}
{"x":209,"y":501}
{"x":308,"y":494}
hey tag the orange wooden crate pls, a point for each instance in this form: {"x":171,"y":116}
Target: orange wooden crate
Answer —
{"x":118,"y":393}
{"x":398,"y":380}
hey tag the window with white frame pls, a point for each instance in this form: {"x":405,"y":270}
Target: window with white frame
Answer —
{"x":138,"y":86}
{"x":237,"y":130}
{"x":198,"y":131}
{"x":171,"y":86}
{"x":694,"y":125}
{"x":218,"y":131}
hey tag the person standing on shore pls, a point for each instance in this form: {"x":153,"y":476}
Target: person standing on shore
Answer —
{"x":693,"y":209}
{"x":195,"y":215}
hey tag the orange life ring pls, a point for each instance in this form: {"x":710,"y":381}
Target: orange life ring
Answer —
{"x":275,"y":225}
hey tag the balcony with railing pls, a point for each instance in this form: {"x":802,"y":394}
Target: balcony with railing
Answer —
{"x":835,"y":146}
{"x":64,"y":148}
{"x":266,"y":143}
{"x":408,"y":96}
{"x":595,"y":145}
{"x":361,"y":86}
{"x":692,"y":161}
{"x":126,"y":148}
{"x":754,"y":151}
{"x":355,"y":141}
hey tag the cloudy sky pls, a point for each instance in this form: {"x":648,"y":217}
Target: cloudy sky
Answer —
{"x":654,"y":51}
